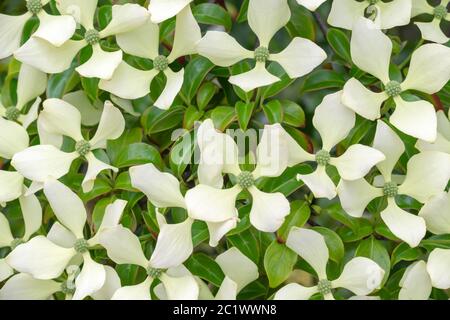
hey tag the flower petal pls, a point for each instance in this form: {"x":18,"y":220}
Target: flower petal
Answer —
{"x":32,"y":114}
{"x":5,"y":272}
{"x":140,"y":291}
{"x":111,"y":126}
{"x":424,"y":74}
{"x":294,"y":291}
{"x":44,"y":56}
{"x":162,"y":189}
{"x":360,"y":275}
{"x":210,"y":204}
{"x":311,"y":5}
{"x":300,"y":57}
{"x":394,"y":13}
{"x":13,"y":138}
{"x":265,"y":20}
{"x":24,"y":287}
{"x":55,"y":29}
{"x":60,"y":117}
{"x":180,"y":288}
{"x":427,"y":174}
{"x":61,"y":236}
{"x":95,"y":166}
{"x":32,"y":214}
{"x":421,"y":6}
{"x":242,"y":276}
{"x":101,"y":64}
{"x":268,"y":210}
{"x":142,"y":42}
{"x":82,"y":11}
{"x":319,"y":183}
{"x":5,"y":232}
{"x":125,"y":18}
{"x":355,"y":196}
{"x":415,"y":283}
{"x":30,"y":85}
{"x":311,"y":246}
{"x":438,"y":266}
{"x":111,"y":218}
{"x":128,"y":82}
{"x":11,"y":35}
{"x":357,"y":161}
{"x":436,"y":213}
{"x":11,"y":183}
{"x":371,"y":49}
{"x":255,"y":78}
{"x":333,"y":120}
{"x":227,"y":290}
{"x":404,"y":225}
{"x":219,"y":229}
{"x":173,"y":86}
{"x":432,"y":31}
{"x":90,"y":112}
{"x":110,"y":286}
{"x":161,"y":10}
{"x":91,"y":278}
{"x":40,"y":258}
{"x":344,"y":13}
{"x":361,"y":100}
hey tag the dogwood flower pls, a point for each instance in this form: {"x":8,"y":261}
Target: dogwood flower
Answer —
{"x":427,"y":175}
{"x":163,"y":191}
{"x":386,"y":15}
{"x":123,"y":247}
{"x":442,"y":142}
{"x":334,"y":121}
{"x":30,"y":85}
{"x":46,"y":258}
{"x":436,"y":213}
{"x":265,"y":19}
{"x":40,"y":162}
{"x":53,"y":29}
{"x":420,"y":277}
{"x":371,"y":51}
{"x":431,"y":30}
{"x":208,"y":202}
{"x":162,"y":10}
{"x":50,"y":59}
{"x":23,"y":286}
{"x":311,"y":5}
{"x":130,"y":83}
{"x":360,"y":275}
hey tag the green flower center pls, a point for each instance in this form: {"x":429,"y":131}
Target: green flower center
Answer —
{"x":324,"y":286}
{"x":15,"y":243}
{"x":390,"y":189}
{"x":68,"y":287}
{"x":440,"y":12}
{"x":323,"y":157}
{"x":393,"y":88}
{"x":92,"y":36}
{"x":154,"y":273}
{"x":81,"y":246}
{"x":34,"y":6}
{"x":372,"y":2}
{"x":12,"y":113}
{"x":245,"y":180}
{"x":83,"y":147}
{"x":262,"y":54}
{"x":160,"y":63}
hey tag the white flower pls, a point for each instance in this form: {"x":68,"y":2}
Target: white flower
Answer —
{"x":334,"y":121}
{"x":427,"y":175}
{"x":130,"y":83}
{"x":265,"y":19}
{"x":420,"y":277}
{"x":344,"y":13}
{"x":436,"y":213}
{"x":42,"y":162}
{"x":162,"y":10}
{"x":50,"y":59}
{"x":55,"y":30}
{"x":46,"y":258}
{"x":123,"y":247}
{"x":431,"y":30}
{"x":442,"y":142}
{"x":219,"y":154}
{"x":311,"y":4}
{"x":30,"y":85}
{"x":360,"y":275}
{"x":163,"y":191}
{"x":428,"y":72}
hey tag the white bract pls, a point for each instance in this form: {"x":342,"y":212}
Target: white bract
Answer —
{"x":442,"y":142}
{"x":436,"y":213}
{"x":360,"y":275}
{"x":59,"y":118}
{"x":386,"y":15}
{"x":420,"y":277}
{"x":101,"y":64}
{"x":54,"y":30}
{"x":162,"y":10}
{"x":46,"y":258}
{"x":131,"y":83}
{"x":429,"y":71}
{"x":219,"y":154}
{"x":427,"y":175}
{"x":432,"y":30}
{"x":334,"y":121}
{"x":311,"y":4}
{"x":163,"y":191}
{"x":123,"y":247}
{"x":265,"y":19}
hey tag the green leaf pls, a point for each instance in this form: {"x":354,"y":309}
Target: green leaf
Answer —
{"x":222,"y":117}
{"x":190,"y":116}
{"x":213,"y":14}
{"x":156,"y":120}
{"x":302,"y":23}
{"x":244,"y":112}
{"x":194,"y":73}
{"x":99,"y":211}
{"x":373,"y":249}
{"x":115,"y":147}
{"x":273,"y":111}
{"x":139,"y":153}
{"x":247,"y":243}
{"x":201,"y":265}
{"x":205,"y":93}
{"x":293,"y":114}
{"x":437,"y":241}
{"x":61,"y":83}
{"x":275,"y":88}
{"x":334,"y":243}
{"x":181,"y":153}
{"x":323,"y":79}
{"x":403,"y":252}
{"x":279,"y":261}
{"x":298,"y":216}
{"x":90,"y":86}
{"x":340,"y":43}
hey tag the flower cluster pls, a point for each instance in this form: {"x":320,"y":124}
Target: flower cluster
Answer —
{"x":159,"y":151}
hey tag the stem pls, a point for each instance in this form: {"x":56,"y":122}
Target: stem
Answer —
{"x":323,"y":27}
